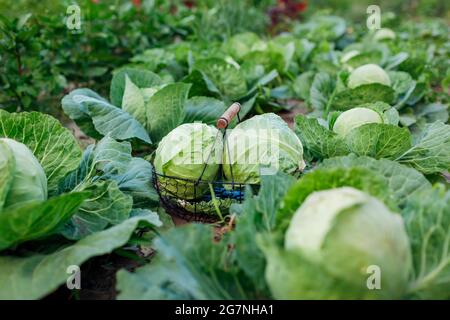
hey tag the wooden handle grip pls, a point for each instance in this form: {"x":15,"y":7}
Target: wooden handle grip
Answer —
{"x":228,"y":115}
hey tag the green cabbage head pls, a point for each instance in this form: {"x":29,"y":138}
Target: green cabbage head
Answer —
{"x":345,"y":236}
{"x":348,"y":55}
{"x":384,"y":34}
{"x":28,"y":180}
{"x":183,"y":154}
{"x":264,"y":141}
{"x":354,"y":118}
{"x":367,"y":74}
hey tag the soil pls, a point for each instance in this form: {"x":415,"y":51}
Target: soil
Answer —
{"x":288,"y":116}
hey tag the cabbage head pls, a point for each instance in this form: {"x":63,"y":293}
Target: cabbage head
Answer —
{"x":29,"y":181}
{"x":354,"y":118}
{"x":348,"y":55}
{"x":384,"y":34}
{"x":344,"y":236}
{"x":367,"y":74}
{"x":183,"y":154}
{"x":263,"y":142}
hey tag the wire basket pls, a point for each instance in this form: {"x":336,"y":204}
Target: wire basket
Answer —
{"x":201,"y":200}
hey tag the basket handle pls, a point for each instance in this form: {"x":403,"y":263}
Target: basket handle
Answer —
{"x":228,"y":115}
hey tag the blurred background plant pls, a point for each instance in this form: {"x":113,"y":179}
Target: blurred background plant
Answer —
{"x":352,"y":9}
{"x":41,"y":59}
{"x":220,"y":19}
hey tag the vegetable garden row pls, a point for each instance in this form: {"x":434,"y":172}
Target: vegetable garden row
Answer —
{"x":355,"y":122}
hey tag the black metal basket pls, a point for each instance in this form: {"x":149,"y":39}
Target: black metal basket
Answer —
{"x":211,"y":200}
{"x":209,"y":206}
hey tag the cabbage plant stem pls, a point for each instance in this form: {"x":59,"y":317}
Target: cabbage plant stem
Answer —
{"x":214,"y":201}
{"x":327,"y":107}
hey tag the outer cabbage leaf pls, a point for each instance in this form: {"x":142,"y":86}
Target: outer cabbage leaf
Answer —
{"x":117,"y":182}
{"x":141,"y":78}
{"x":241,"y":44}
{"x":427,"y":217}
{"x":328,"y":178}
{"x":54,"y":146}
{"x":7,"y":167}
{"x":204,"y":109}
{"x":431,"y":150}
{"x":318,"y":140}
{"x":366,"y":93}
{"x":379,"y":140}
{"x":428,"y":153}
{"x":321,"y":27}
{"x":133,"y":101}
{"x":225,"y":77}
{"x":37,"y":276}
{"x":106,"y":206}
{"x":165,"y":109}
{"x":403,"y":182}
{"x":321,"y":91}
{"x":37,"y":219}
{"x":258,"y":214}
{"x":90,"y":110}
{"x":188,"y":266}
{"x":201,"y":85}
{"x":179,"y":272}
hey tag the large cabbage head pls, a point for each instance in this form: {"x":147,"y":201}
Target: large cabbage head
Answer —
{"x":28,"y":180}
{"x":263,"y":144}
{"x":349,"y":236}
{"x":183,"y":154}
{"x":367,"y":74}
{"x":354,"y":118}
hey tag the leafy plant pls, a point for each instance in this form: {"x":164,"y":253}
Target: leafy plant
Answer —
{"x":87,"y":194}
{"x":380,"y":141}
{"x":251,"y":261}
{"x":42,"y":58}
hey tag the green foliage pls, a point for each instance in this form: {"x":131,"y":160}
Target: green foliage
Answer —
{"x":38,"y":275}
{"x":105,"y":189}
{"x":319,"y":234}
{"x":26,"y":180}
{"x":35,"y":220}
{"x":97,"y":117}
{"x":427,"y":221}
{"x":427,"y":151}
{"x":43,"y":56}
{"x":373,"y":130}
{"x":54,"y":146}
{"x":221,"y":272}
{"x":224,"y":18}
{"x":403,"y":182}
